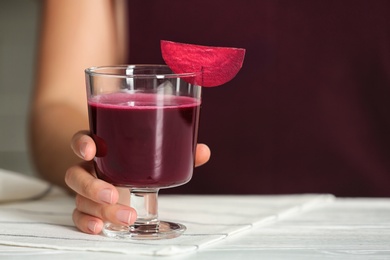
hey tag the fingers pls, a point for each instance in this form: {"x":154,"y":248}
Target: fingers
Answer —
{"x":202,"y":154}
{"x":83,"y":145}
{"x":87,"y":223}
{"x":89,"y":215}
{"x":79,"y":179}
{"x":96,"y":201}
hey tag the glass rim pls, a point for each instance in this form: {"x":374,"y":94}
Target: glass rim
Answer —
{"x":102,"y":71}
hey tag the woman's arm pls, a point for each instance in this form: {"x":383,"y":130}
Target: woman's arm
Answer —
{"x":75,"y":34}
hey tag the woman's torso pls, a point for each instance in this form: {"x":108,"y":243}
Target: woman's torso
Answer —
{"x":307,"y":113}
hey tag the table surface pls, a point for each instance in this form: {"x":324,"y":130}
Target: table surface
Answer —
{"x":348,"y":228}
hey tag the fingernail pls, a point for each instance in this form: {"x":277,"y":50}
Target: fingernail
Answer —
{"x":124,"y":216}
{"x":83,"y":147}
{"x":106,"y":196}
{"x":92,"y":226}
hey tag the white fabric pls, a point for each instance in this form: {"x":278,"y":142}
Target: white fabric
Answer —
{"x":47,"y":223}
{"x":15,"y":186}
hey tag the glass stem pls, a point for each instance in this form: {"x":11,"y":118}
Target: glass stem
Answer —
{"x":144,"y":201}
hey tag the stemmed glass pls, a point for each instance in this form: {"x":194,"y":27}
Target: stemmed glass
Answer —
{"x":144,"y":121}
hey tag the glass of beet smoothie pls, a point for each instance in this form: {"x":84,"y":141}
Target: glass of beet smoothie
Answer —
{"x":144,"y":120}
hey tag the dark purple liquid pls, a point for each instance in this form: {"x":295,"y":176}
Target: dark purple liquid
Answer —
{"x":141,"y":144}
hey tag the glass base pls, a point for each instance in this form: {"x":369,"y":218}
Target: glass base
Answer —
{"x":163,"y":230}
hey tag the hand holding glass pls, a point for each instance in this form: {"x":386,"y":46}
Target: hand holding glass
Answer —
{"x":144,"y":121}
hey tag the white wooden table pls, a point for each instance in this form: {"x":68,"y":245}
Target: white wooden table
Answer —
{"x":347,"y":228}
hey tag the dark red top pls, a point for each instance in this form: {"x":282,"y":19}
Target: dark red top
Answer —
{"x":310,"y":109}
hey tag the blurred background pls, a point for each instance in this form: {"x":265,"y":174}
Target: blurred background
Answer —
{"x":19,"y":20}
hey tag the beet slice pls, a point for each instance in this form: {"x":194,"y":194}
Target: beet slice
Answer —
{"x":217,"y":64}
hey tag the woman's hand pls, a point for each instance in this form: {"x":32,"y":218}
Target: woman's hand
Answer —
{"x":98,"y":201}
